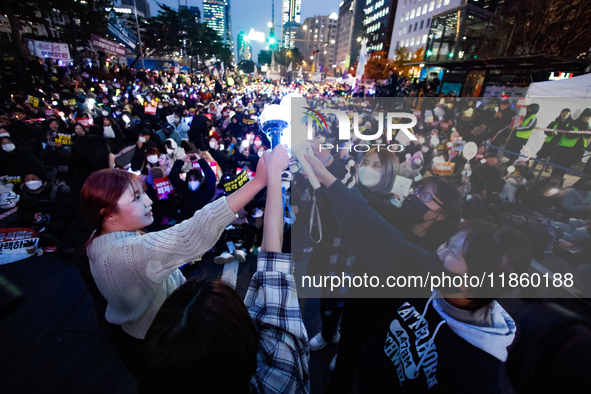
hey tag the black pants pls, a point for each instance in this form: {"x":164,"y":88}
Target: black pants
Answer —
{"x":515,"y":144}
{"x":330,"y":313}
{"x":360,"y":317}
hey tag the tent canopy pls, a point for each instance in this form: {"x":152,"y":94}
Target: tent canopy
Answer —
{"x":572,"y":87}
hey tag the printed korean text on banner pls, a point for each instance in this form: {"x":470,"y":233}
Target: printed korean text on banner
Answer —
{"x":64,"y":139}
{"x":212,"y":164}
{"x":236,"y":183}
{"x":53,"y":50}
{"x":8,"y":179}
{"x":150,"y":110}
{"x":444,"y":169}
{"x":34,"y":101}
{"x":250,"y":173}
{"x":17,"y":244}
{"x":163,"y":187}
{"x":107,"y":46}
{"x":86,"y":122}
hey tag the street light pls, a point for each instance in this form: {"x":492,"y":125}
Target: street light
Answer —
{"x":271,"y":41}
{"x":270,"y":24}
{"x":305,"y":27}
{"x":332,"y":41}
{"x":358,"y":39}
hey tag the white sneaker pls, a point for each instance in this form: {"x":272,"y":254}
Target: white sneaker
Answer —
{"x":240,"y":255}
{"x":318,"y":342}
{"x":223,"y":258}
{"x":333,"y":362}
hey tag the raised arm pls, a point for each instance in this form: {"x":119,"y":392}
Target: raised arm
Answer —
{"x":283,"y":356}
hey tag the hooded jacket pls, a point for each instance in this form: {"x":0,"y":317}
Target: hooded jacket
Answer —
{"x":431,"y":346}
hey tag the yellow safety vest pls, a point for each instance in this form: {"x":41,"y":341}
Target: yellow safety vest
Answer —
{"x":550,"y":137}
{"x":570,"y":142}
{"x":525,"y":134}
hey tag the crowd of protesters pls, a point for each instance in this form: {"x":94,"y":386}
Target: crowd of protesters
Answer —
{"x":200,"y":177}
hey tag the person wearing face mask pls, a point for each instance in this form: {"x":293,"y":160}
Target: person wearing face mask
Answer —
{"x":145,"y":141}
{"x":475,"y":248}
{"x":427,"y":217}
{"x":175,"y":152}
{"x":155,"y":159}
{"x":109,"y":129}
{"x":44,"y":206}
{"x":198,"y":188}
{"x":180,"y":127}
{"x":14,"y":157}
{"x":165,"y":210}
{"x":225,"y":160}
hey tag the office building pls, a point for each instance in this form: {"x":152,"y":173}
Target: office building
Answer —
{"x":214,"y":16}
{"x":143,"y":7}
{"x":349,"y":29}
{"x":412,"y":22}
{"x":378,"y":23}
{"x":290,"y":20}
{"x":318,"y":33}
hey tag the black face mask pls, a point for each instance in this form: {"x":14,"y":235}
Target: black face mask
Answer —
{"x":414,"y":210}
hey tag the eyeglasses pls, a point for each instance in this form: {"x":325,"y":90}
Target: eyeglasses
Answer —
{"x":424,"y":196}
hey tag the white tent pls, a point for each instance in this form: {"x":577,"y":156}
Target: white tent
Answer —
{"x":572,"y":87}
{"x":574,"y":93}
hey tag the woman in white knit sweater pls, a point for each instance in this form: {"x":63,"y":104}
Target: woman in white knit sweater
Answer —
{"x":135,"y":272}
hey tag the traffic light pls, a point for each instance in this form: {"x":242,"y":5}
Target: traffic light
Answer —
{"x":316,"y":51}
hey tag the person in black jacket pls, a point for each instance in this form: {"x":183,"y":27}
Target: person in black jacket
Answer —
{"x":44,"y":206}
{"x":560,"y":123}
{"x":146,"y":140}
{"x":460,"y":343}
{"x":486,"y":178}
{"x":14,"y":159}
{"x":198,"y":188}
{"x":199,"y":131}
{"x":571,"y":146}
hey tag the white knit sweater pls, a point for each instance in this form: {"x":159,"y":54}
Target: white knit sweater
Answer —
{"x":136,"y":273}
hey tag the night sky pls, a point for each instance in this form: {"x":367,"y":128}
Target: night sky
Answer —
{"x":247,"y":14}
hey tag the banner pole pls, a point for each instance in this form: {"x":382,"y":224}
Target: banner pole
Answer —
{"x":139,"y":37}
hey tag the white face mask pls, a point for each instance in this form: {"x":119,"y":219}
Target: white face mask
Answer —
{"x":212,"y":144}
{"x":261,"y":153}
{"x":258,"y":143}
{"x":177,"y":120}
{"x":152,"y":159}
{"x":194,"y":185}
{"x":8,"y":147}
{"x":170,"y":151}
{"x":160,"y":106}
{"x":368,"y":176}
{"x":34,"y":185}
{"x":425,"y":149}
{"x":142,"y":139}
{"x":285,"y":184}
